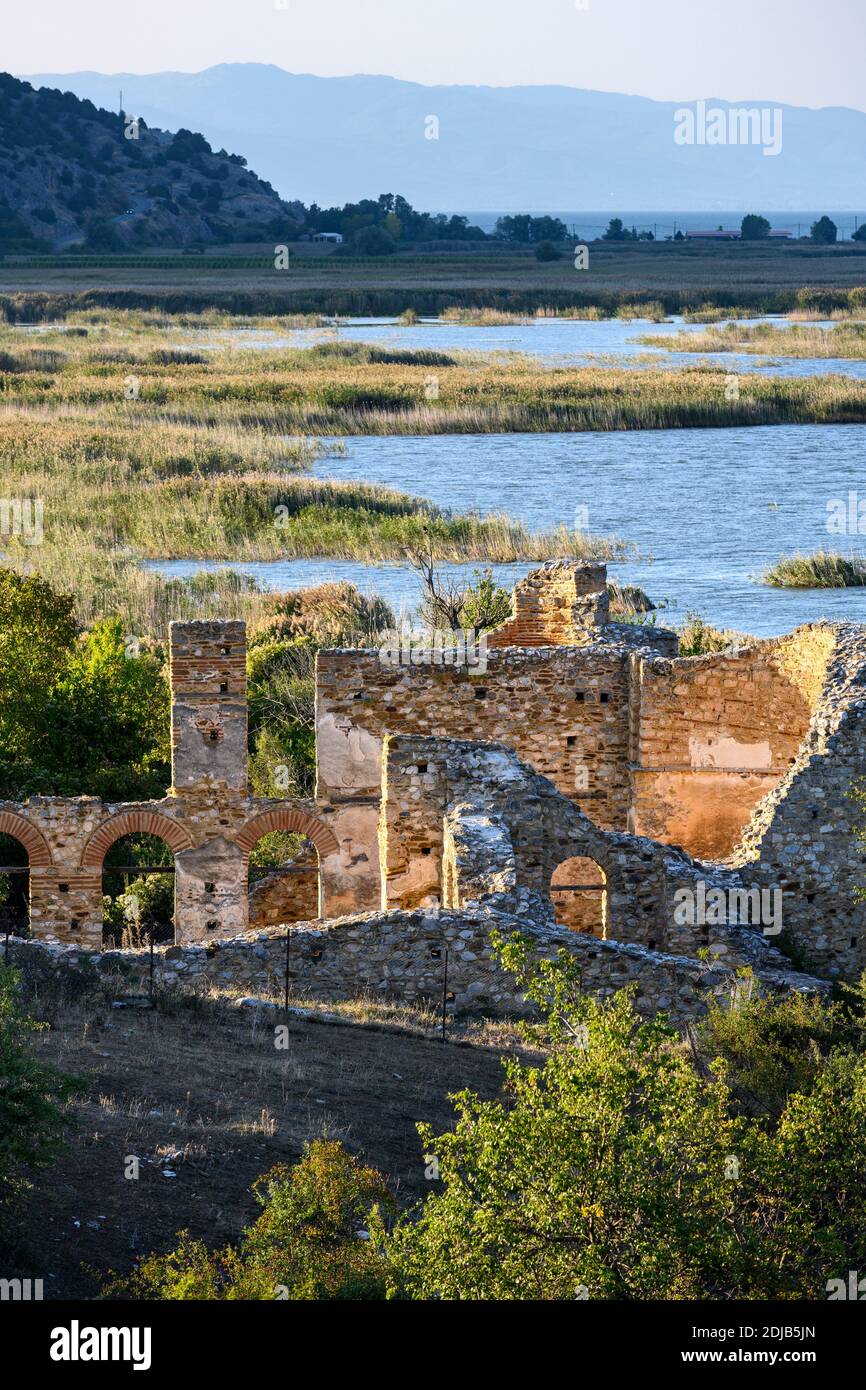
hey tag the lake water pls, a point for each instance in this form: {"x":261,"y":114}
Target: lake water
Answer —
{"x":552,"y":342}
{"x":707,"y":509}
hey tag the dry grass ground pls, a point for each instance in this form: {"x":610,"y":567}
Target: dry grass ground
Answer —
{"x":202,"y":1091}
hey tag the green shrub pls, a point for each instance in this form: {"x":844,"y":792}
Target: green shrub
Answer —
{"x":624,"y":1166}
{"x":308,"y":1244}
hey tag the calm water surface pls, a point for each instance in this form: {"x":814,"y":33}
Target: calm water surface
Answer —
{"x":707,"y":509}
{"x":552,"y":342}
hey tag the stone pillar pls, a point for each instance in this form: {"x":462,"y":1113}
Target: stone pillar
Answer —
{"x":67,"y":904}
{"x":563,"y":604}
{"x":414,"y":797}
{"x":209,"y":764}
{"x":210,"y":896}
{"x":209,"y":707}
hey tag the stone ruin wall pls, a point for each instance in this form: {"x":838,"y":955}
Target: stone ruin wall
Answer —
{"x":208,"y":819}
{"x":804,"y":836}
{"x":494,"y":828}
{"x":678,"y":750}
{"x":465,"y":823}
{"x":397,"y":956}
{"x":714,"y":734}
{"x":613,"y":757}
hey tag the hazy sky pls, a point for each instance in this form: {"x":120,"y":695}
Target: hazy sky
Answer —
{"x":809,"y":52}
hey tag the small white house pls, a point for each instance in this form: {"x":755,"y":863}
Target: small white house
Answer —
{"x":335,"y":237}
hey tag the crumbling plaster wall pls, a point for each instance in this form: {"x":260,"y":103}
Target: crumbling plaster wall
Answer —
{"x":715,"y":734}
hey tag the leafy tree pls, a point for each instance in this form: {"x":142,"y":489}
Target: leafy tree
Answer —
{"x":374,"y":241}
{"x":281,"y":692}
{"x":78,"y":716}
{"x":485,"y":603}
{"x":524,"y":228}
{"x":112,"y":716}
{"x":451,"y":606}
{"x":142,"y":910}
{"x":136,"y":907}
{"x":626,"y":1167}
{"x":33,"y":1095}
{"x":860,"y":233}
{"x":615,"y":231}
{"x":546,"y":251}
{"x":37,"y":637}
{"x":754,"y":228}
{"x":824,"y":231}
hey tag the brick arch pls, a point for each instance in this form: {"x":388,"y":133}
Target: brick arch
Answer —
{"x":293,"y":819}
{"x":133,"y":823}
{"x":32,"y":839}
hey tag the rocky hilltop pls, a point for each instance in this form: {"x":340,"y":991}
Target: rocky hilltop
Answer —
{"x":72,"y":174}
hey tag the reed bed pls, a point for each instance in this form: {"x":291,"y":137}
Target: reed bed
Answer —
{"x":338,"y":389}
{"x":482,"y":317}
{"x":824,"y":569}
{"x":142,"y":448}
{"x":846,"y":338}
{"x":169,"y":492}
{"x":715,"y":313}
{"x":683,"y":279}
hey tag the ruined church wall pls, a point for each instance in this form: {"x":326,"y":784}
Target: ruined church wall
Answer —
{"x":210,"y":833}
{"x":565,"y":711}
{"x":491,"y":828}
{"x":712,"y":736}
{"x":804,"y":837}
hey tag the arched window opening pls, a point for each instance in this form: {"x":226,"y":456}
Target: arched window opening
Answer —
{"x":14,"y":887}
{"x":284,"y":874}
{"x":578,"y":890}
{"x":138,"y":891}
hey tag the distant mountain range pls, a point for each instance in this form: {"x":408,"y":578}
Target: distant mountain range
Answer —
{"x":333,"y":139}
{"x":71,"y":174}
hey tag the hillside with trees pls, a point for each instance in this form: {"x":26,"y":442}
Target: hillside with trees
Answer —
{"x":72,"y":175}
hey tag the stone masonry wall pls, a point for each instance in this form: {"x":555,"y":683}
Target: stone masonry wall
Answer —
{"x":564,"y":711}
{"x":804,"y":836}
{"x":400,"y":956}
{"x":715,"y":734}
{"x":467,"y":824}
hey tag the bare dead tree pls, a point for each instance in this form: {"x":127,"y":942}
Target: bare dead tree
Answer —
{"x":444,"y":600}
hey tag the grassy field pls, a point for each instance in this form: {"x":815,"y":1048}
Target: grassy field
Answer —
{"x":775,"y":277}
{"x":200,"y":1091}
